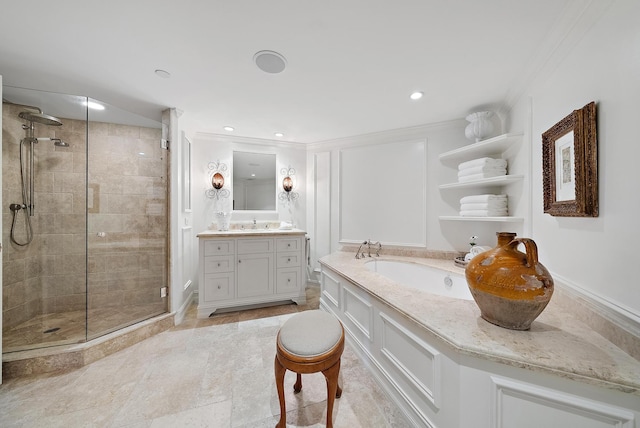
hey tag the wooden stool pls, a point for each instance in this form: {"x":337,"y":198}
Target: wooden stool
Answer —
{"x":309,"y":342}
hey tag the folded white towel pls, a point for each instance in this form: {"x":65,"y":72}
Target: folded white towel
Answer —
{"x":483,"y":213}
{"x":482,"y":170}
{"x":474,"y":199}
{"x":480,"y":176}
{"x":484,"y":206}
{"x":483,"y":162}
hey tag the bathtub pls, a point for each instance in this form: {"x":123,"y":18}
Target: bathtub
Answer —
{"x":425,"y":278}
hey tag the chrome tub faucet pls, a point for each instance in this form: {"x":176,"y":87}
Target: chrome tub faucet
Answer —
{"x":360,"y":253}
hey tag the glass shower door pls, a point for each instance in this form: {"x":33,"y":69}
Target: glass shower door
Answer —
{"x":127,"y":214}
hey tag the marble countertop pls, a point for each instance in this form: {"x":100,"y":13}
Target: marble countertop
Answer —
{"x":234,"y":233}
{"x":557,"y":343}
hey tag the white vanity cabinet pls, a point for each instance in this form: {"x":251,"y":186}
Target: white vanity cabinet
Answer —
{"x":248,"y":268}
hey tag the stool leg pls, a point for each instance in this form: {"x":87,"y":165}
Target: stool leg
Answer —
{"x":298,"y":385}
{"x":331,"y":374}
{"x":280,"y":371}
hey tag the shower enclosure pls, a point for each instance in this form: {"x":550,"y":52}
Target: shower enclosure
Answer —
{"x":85,"y":221}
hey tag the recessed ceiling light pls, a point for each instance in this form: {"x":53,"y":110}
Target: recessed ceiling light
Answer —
{"x":253,"y":175}
{"x":229,"y":128}
{"x":93,"y":105}
{"x":279,"y":134}
{"x":270,"y":62}
{"x":417,"y":95}
{"x":163,"y":73}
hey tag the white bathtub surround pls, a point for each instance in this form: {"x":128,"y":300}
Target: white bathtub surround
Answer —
{"x":461,"y":360}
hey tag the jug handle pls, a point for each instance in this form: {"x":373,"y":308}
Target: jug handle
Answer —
{"x":530,"y":247}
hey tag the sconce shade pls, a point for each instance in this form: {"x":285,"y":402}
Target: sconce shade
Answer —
{"x":287,"y":184}
{"x":217,"y":181}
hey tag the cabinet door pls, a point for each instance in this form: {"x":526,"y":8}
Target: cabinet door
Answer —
{"x":288,"y":244}
{"x":287,"y":280}
{"x":255,"y":275}
{"x":217,"y":286}
{"x":215,"y":264}
{"x":286,"y":260}
{"x":215,"y":247}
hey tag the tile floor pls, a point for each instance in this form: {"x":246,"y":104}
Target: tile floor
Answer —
{"x":216,"y":372}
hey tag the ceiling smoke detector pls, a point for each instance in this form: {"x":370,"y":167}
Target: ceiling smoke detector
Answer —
{"x":270,"y":62}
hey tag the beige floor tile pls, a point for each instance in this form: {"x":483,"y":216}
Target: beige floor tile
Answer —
{"x":214,"y":373}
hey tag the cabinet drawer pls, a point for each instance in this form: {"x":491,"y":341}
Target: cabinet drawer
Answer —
{"x":288,"y":244}
{"x":252,"y":246}
{"x":284,"y":260}
{"x":218,"y":248}
{"x":215,"y":264}
{"x":287,"y":280}
{"x":218,"y":287}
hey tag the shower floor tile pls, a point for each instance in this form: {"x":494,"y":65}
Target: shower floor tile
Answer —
{"x":66,"y":328}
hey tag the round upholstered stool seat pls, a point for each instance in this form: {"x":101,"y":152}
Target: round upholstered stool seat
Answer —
{"x":309,"y":342}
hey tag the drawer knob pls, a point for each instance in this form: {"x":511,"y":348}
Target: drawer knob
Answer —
{"x":218,"y":264}
{"x":289,"y":280}
{"x":288,"y":245}
{"x":218,"y":248}
{"x":288,"y":260}
{"x":239,"y":261}
{"x":219,"y":287}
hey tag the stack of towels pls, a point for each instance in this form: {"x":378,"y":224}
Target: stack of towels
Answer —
{"x":478,"y":169}
{"x":484,"y":206}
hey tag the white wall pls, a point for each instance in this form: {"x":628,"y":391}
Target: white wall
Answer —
{"x":403,"y":212}
{"x":594,"y":254}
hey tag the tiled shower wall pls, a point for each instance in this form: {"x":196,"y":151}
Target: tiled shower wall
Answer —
{"x":127,"y":223}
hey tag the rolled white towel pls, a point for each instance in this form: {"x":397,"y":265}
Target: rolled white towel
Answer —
{"x":480,"y":176}
{"x":473,"y":199}
{"x":483,"y":213}
{"x":482,"y":170}
{"x":483,"y":162}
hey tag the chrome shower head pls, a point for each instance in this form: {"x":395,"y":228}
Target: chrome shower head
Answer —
{"x":59,"y":143}
{"x":45,"y":119}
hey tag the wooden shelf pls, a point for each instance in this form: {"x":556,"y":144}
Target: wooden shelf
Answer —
{"x":494,"y":219}
{"x":482,"y":148}
{"x":492,"y":181}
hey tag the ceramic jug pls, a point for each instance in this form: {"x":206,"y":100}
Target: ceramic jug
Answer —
{"x":511,"y":288}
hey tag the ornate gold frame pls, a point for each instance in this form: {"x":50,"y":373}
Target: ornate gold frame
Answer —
{"x":582,"y":123}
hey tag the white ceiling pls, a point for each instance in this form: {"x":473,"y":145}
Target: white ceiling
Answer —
{"x":352,"y":64}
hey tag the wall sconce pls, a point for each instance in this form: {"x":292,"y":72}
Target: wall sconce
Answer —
{"x":287,"y":185}
{"x":217,"y":181}
{"x":217,"y":170}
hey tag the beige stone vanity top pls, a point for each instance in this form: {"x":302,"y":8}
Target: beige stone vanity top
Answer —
{"x":235,"y":233}
{"x":557,"y":343}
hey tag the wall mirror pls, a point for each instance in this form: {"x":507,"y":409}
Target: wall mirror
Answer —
{"x":254,"y":181}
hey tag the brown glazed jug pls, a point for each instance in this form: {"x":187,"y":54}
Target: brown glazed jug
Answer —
{"x":511,"y":288}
